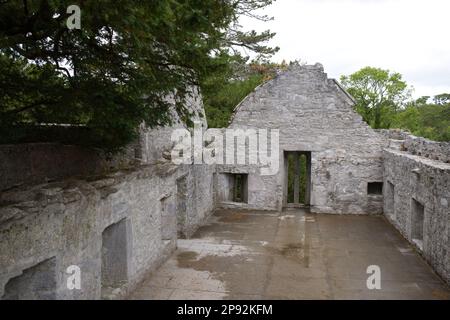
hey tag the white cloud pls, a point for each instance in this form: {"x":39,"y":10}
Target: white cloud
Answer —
{"x":407,"y":36}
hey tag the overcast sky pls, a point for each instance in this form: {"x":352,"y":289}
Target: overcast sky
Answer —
{"x":408,"y":36}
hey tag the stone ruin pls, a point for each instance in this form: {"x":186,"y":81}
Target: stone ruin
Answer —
{"x":62,"y":206}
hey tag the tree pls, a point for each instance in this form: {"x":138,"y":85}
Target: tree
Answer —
{"x":378,"y":93}
{"x":442,"y":99}
{"x":222,"y":92}
{"x":429,"y":120}
{"x":121,"y":66}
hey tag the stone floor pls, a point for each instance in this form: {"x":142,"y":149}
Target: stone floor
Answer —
{"x":292,"y":255}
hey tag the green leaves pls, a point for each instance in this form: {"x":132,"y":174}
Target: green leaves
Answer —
{"x":429,"y":120}
{"x":382,"y":99}
{"x":379,"y":93}
{"x":119,"y":69}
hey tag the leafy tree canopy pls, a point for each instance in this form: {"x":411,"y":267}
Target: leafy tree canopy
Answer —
{"x":429,"y":120}
{"x":118,"y":69}
{"x":383,"y":100}
{"x":379,"y":93}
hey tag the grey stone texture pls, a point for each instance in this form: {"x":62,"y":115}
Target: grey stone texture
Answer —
{"x":36,"y":163}
{"x":65,"y":221}
{"x":313,"y":113}
{"x":116,"y":227}
{"x":412,"y":181}
{"x":120,"y":225}
{"x":435,"y":150}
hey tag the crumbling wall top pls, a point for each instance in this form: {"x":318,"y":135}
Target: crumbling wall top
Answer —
{"x":435,"y":150}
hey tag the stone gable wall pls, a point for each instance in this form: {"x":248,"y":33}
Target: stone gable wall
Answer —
{"x":314,"y":114}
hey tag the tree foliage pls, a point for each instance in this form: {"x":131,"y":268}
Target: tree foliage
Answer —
{"x":382,"y":99}
{"x":379,"y":94}
{"x":429,"y":120}
{"x":222,"y":92}
{"x":122,"y":65}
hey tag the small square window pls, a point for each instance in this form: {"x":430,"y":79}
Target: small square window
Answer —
{"x":375,"y":188}
{"x":235,"y":187}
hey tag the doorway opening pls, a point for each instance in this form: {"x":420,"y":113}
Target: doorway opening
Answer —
{"x":297,"y":178}
{"x":115,"y":256}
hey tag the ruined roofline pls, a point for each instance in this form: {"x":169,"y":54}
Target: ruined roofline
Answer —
{"x":339,"y":85}
{"x":291,"y":68}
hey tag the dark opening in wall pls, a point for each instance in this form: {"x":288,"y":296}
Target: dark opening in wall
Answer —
{"x":168,"y":219}
{"x":240,"y":187}
{"x":297,"y":183}
{"x":390,"y":199}
{"x":181,"y":205}
{"x":375,"y":188}
{"x":417,"y":222}
{"x":115,"y":255}
{"x":35,"y":283}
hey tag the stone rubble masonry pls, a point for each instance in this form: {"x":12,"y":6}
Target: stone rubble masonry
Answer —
{"x":312,"y":113}
{"x":64,"y":221}
{"x":37,"y":163}
{"x":415,"y":171}
{"x":45,"y":226}
{"x":420,"y":146}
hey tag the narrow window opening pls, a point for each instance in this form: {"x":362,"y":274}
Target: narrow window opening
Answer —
{"x":168,"y":219}
{"x":240,"y":188}
{"x":390,"y":199}
{"x":181,"y":205}
{"x":417,"y":223}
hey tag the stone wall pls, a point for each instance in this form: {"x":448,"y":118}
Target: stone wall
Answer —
{"x":35,"y":163}
{"x":313,"y":113}
{"x":64,"y":222}
{"x":115,"y":224}
{"x":200,"y":199}
{"x":417,"y":197}
{"x":156,"y":142}
{"x":420,"y":146}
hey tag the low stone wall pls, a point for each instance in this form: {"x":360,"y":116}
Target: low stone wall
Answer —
{"x":416,"y":202}
{"x":420,"y":146}
{"x":35,"y":163}
{"x":116,"y":229}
